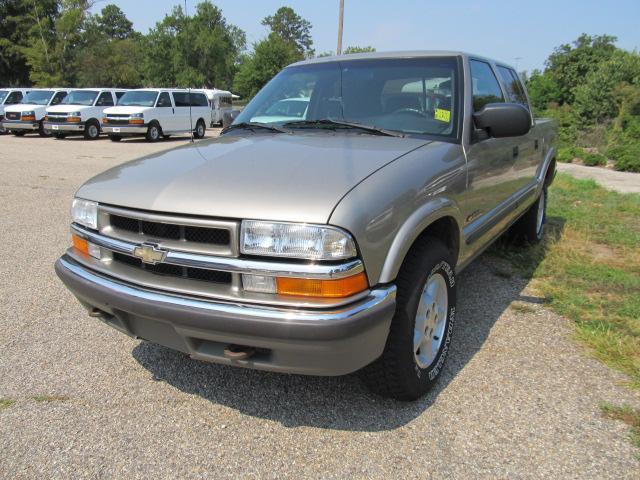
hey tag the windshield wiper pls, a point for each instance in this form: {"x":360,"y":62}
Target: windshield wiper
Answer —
{"x":338,"y":123}
{"x":254,"y":125}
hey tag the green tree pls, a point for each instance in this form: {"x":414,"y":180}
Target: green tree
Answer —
{"x":543,"y":90}
{"x":114,"y":24}
{"x":269,"y":57}
{"x":356,"y":49}
{"x":291,"y":28}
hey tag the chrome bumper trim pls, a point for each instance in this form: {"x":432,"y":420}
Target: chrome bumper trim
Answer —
{"x":14,"y":125}
{"x":124,"y":129}
{"x":64,"y":127}
{"x":231,"y":264}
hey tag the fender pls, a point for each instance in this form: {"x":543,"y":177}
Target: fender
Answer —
{"x":411,"y":229}
{"x":544,"y":167}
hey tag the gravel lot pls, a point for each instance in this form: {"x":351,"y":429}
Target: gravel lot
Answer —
{"x":518,"y":398}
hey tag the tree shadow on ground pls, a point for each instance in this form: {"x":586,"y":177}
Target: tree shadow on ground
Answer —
{"x":485,"y":290}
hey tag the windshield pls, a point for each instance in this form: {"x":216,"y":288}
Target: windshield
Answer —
{"x":141,"y":98}
{"x":412,"y":96}
{"x":80,"y":97}
{"x":3,"y":95}
{"x":38,"y":97}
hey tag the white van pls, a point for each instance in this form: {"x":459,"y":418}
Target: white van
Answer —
{"x":221,"y":101}
{"x":28,"y":116}
{"x":81,"y":112}
{"x":10,"y":96}
{"x":155,"y":113}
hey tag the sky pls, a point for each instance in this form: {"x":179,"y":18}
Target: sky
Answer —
{"x":522,"y":33}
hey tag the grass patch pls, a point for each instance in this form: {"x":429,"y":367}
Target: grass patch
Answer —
{"x":522,"y":308}
{"x":627,"y":415}
{"x":50,"y":398}
{"x":6,"y":403}
{"x":588,"y":268}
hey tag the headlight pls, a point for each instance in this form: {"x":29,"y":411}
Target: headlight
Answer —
{"x":136,"y":115}
{"x":74,"y":114}
{"x":295,"y":240}
{"x":30,"y":113}
{"x":85,"y":213}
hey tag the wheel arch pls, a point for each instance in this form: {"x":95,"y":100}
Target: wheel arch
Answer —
{"x":439,"y":221}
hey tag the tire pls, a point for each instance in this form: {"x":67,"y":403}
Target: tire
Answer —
{"x":59,"y":136}
{"x":426,"y":278}
{"x":154,"y":132}
{"x":42,"y":132}
{"x":530,"y":227}
{"x":115,"y":138}
{"x":200,"y":129}
{"x":166,"y":136}
{"x":18,"y":133}
{"x":92,"y":130}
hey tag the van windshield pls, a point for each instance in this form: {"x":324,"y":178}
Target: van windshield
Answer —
{"x":141,"y":98}
{"x":409,"y":96}
{"x":38,"y":97}
{"x":3,"y":95}
{"x":80,"y":97}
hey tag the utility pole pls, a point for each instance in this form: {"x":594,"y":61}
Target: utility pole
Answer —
{"x":339,"y":49}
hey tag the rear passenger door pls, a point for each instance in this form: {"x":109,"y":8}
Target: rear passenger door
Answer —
{"x":200,"y":108}
{"x":529,"y":148}
{"x":181,"y":117}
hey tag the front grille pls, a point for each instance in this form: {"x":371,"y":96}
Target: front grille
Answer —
{"x":214,"y":236}
{"x":191,"y":273}
{"x":57,"y":118}
{"x":13,"y":115}
{"x":111,"y":121}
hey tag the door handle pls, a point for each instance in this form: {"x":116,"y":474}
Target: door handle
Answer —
{"x":516,"y":151}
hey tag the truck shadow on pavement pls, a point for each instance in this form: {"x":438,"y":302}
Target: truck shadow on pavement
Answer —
{"x":485,"y":290}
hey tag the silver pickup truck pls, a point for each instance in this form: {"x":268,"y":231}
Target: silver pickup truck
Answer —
{"x":322,"y":232}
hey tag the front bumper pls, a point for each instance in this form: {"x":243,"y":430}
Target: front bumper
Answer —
{"x":19,"y":125}
{"x":313,"y":342}
{"x":64,"y":127}
{"x":124,"y":130}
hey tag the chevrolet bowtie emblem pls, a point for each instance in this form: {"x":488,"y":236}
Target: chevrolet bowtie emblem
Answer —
{"x":149,"y":254}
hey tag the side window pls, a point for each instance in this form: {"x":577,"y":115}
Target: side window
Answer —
{"x":105,"y":100}
{"x":13,"y":98}
{"x":119,"y":94}
{"x":164,"y":100}
{"x":181,"y":99}
{"x":515,"y":91}
{"x":199,"y":100}
{"x":58,"y":97}
{"x":486,"y":88}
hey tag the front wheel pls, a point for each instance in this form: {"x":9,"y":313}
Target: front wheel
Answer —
{"x":92,"y":130}
{"x":153,"y":132}
{"x":115,"y":138}
{"x":42,"y":132}
{"x":59,"y":136}
{"x":422,"y":327}
{"x":18,"y":133}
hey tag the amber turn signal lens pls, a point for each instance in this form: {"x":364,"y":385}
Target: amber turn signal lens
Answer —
{"x":105,"y":120}
{"x":80,"y":244}
{"x":343,"y":287}
{"x":73,"y":119}
{"x":138,"y":121}
{"x":29,"y":118}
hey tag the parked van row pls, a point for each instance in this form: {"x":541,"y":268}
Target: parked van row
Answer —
{"x":152,"y":113}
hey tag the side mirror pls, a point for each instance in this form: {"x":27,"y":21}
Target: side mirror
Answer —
{"x":503,"y":119}
{"x":228,"y":117}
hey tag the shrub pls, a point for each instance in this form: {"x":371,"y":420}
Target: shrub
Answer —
{"x":626,"y":157}
{"x":593,"y":159}
{"x":567,"y":154}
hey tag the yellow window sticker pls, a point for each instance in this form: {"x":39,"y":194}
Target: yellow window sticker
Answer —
{"x":442,"y":115}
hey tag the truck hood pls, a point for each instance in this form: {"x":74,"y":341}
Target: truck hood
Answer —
{"x":297,"y":178}
{"x":25,"y":107}
{"x":126,"y":110}
{"x":67,"y":108}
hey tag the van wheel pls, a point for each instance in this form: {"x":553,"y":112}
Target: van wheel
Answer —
{"x":59,"y":136}
{"x":530,"y":227}
{"x":115,"y":138}
{"x":42,"y":132}
{"x":201,"y":128}
{"x":92,"y":130}
{"x":153,"y":132}
{"x":18,"y":133}
{"x":421,"y":330}
{"x":166,"y":136}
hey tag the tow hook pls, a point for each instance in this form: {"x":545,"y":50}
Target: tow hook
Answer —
{"x":97,"y":313}
{"x":238,"y":352}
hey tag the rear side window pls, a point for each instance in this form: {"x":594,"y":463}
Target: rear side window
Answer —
{"x":486,"y":88}
{"x":13,"y":98}
{"x":58,"y":97}
{"x":199,"y":100}
{"x":105,"y":100}
{"x":515,"y":91}
{"x":164,"y":100}
{"x":181,"y":99}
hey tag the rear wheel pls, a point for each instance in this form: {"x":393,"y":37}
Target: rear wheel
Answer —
{"x":92,"y":130}
{"x":530,"y":227}
{"x":422,"y":327}
{"x":153,"y":132}
{"x":42,"y":132}
{"x":200,"y":129}
{"x":115,"y":138}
